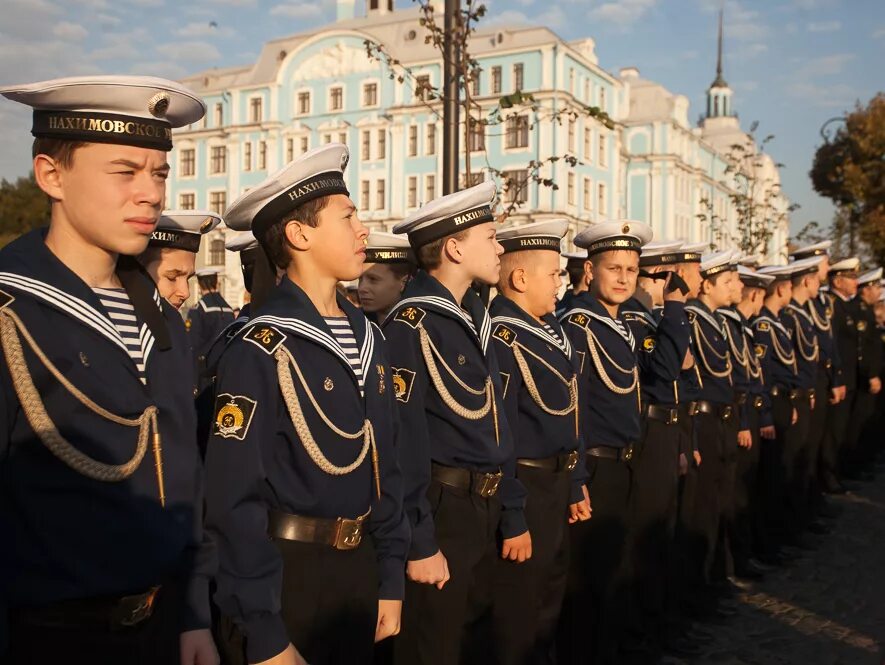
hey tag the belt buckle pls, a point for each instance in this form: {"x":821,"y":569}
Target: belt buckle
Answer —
{"x":828,"y":364}
{"x":811,"y":394}
{"x":757,"y":402}
{"x":135,"y":609}
{"x":693,"y":409}
{"x":727,"y":412}
{"x":628,"y":453}
{"x":487,"y":484}
{"x":794,"y":395}
{"x":674,"y":416}
{"x":348,"y":534}
{"x":572,"y":461}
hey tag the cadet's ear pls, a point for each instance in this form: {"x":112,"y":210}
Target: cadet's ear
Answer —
{"x":452,"y":250}
{"x":48,"y":174}
{"x":588,"y":270}
{"x":518,"y":280}
{"x":296,"y":235}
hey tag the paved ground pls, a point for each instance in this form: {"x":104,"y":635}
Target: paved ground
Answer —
{"x":826,"y":609}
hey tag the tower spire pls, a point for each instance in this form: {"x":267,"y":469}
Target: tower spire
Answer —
{"x":719,"y":82}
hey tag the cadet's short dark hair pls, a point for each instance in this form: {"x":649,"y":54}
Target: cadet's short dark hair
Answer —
{"x":207,"y":281}
{"x":60,"y":150}
{"x":275,"y":242}
{"x":430,"y":255}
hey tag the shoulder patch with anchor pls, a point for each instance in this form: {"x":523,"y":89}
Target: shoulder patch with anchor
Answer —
{"x":266,"y":338}
{"x":5,"y":299}
{"x":403,"y":380}
{"x":411,"y":316}
{"x":691,"y":316}
{"x":505,"y":334}
{"x":764,"y":326}
{"x":580,"y":320}
{"x":760,"y":350}
{"x":233,"y":415}
{"x":649,"y":343}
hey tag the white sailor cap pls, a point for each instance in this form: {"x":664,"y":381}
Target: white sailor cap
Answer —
{"x":817,"y":249}
{"x":449,"y":214}
{"x":750,"y":260}
{"x":129,"y":110}
{"x":716,"y":262}
{"x":849,"y":265}
{"x":693,"y":251}
{"x":384,"y":247}
{"x":796,"y":268}
{"x":736,"y":257}
{"x":753,"y":279}
{"x":316,"y":173}
{"x":574,"y":257}
{"x":538,"y":235}
{"x":209,"y":271}
{"x":246,"y":244}
{"x":182,"y":229}
{"x":869,"y":277}
{"x":661,"y":253}
{"x":615,"y":235}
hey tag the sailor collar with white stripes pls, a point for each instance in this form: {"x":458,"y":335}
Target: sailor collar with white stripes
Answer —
{"x":767,"y":316}
{"x":505,"y":311}
{"x":701,"y":310}
{"x":601,"y":316}
{"x":635,"y":308}
{"x":796,"y":308}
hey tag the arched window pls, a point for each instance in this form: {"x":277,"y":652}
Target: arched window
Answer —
{"x":216,"y":252}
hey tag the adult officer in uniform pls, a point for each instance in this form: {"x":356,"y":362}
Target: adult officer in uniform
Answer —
{"x":172,"y":251}
{"x":301,"y":464}
{"x":538,"y":372}
{"x":461,"y":496}
{"x":206,"y":320}
{"x":101,"y":498}
{"x":594,"y":614}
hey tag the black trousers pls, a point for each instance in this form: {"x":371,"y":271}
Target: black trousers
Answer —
{"x":593,"y":615}
{"x":863,"y":411}
{"x":38,"y":640}
{"x":329,"y":605}
{"x":794,"y":441}
{"x":723,"y":566}
{"x":443,"y":627}
{"x":839,"y":424}
{"x":653,"y":521}
{"x":744,"y":529}
{"x":527,"y":596}
{"x":817,"y":435}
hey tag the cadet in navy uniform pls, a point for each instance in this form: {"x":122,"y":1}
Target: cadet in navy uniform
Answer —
{"x":172,"y":251}
{"x":302,"y":460}
{"x":390,"y":264}
{"x":577,"y":280}
{"x":538,"y":372}
{"x":713,"y":421}
{"x":206,"y":320}
{"x":101,"y":499}
{"x":609,"y":401}
{"x":656,"y":316}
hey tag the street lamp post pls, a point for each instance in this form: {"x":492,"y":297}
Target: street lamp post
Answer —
{"x":451,"y":97}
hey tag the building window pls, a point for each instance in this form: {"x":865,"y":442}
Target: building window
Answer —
{"x":602,"y":98}
{"x":603,"y":159}
{"x":516,"y":183}
{"x":588,"y":194}
{"x":476,"y":83}
{"x":430,"y":142}
{"x":517,"y":132}
{"x":290,"y":150}
{"x":219,"y":114}
{"x":586,"y":91}
{"x":218,"y":160}
{"x":255,"y":109}
{"x":518,"y":80}
{"x":216,"y":251}
{"x":327,"y":138}
{"x":336,"y":98}
{"x":413,"y":140}
{"x":187,"y":201}
{"x":364,"y":194}
{"x":423,"y":91}
{"x":571,"y":81}
{"x":370,"y":94}
{"x":412,"y":201}
{"x":365,"y":145}
{"x":305,"y":144}
{"x":496,"y":80}
{"x":380,"y":197}
{"x":342,"y":137}
{"x":303,"y":103}
{"x":571,"y":189}
{"x":588,"y":144}
{"x":572,"y":139}
{"x":262,"y":155}
{"x":247,"y":156}
{"x":187,"y":162}
{"x":382,"y":144}
{"x":476,"y":135}
{"x":429,"y":188}
{"x":218,"y":203}
{"x":600,"y":195}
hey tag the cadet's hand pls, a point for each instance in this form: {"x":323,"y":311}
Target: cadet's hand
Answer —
{"x":683,"y":464}
{"x":580,"y":511}
{"x":794,"y":417}
{"x":389,"y":613}
{"x":198,"y":648}
{"x":812,"y":403}
{"x":432,"y":570}
{"x":837,"y":394}
{"x":288,"y":657}
{"x":875,"y":385}
{"x":697,"y":457}
{"x":745,"y":439}
{"x":518,"y":548}
{"x":688,"y":361}
{"x":843,"y":392}
{"x":767,"y":432}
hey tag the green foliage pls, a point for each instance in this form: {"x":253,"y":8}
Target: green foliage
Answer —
{"x":23,"y":207}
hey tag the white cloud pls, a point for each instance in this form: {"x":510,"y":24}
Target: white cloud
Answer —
{"x":827,"y":65}
{"x":298,"y":10}
{"x":824,"y":26}
{"x":879,"y":34}
{"x":72,"y":31}
{"x":108,"y":20}
{"x":146,"y":3}
{"x":840,"y":96}
{"x":192,"y":52}
{"x":507,"y":17}
{"x":27,"y":18}
{"x":204,"y":29}
{"x":622,"y":12}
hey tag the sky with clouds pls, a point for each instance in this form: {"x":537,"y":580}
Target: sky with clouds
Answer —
{"x":793,"y":64}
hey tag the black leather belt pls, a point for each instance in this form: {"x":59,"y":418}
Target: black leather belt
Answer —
{"x":724,"y":412}
{"x":741,"y":397}
{"x":340,"y":533}
{"x":609,"y":452}
{"x":116,"y":613}
{"x":484,"y":484}
{"x":564,"y":462}
{"x":758,"y":401}
{"x":662,"y":414}
{"x":795,"y":394}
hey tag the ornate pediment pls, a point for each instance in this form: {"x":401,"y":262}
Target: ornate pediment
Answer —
{"x":334,"y":62}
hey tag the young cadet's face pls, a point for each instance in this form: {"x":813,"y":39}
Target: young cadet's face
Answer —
{"x":812,"y":283}
{"x":719,"y":289}
{"x":614,"y":275}
{"x":481,"y":253}
{"x":112,"y":195}
{"x":171,"y":270}
{"x":691,"y":273}
{"x":379,"y":287}
{"x":543,"y":281}
{"x":338,"y":243}
{"x":871,"y":293}
{"x":823,"y":268}
{"x":737,"y":289}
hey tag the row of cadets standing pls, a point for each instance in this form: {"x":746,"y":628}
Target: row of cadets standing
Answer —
{"x":302,"y":460}
{"x":101,"y":495}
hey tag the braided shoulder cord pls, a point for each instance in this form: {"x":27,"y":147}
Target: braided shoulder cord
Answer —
{"x":702,"y":342}
{"x":823,"y":323}
{"x":287,"y":387}
{"x":532,"y":387}
{"x":44,"y":427}
{"x":741,"y":357}
{"x":593,"y":346}
{"x":782,"y":355}
{"x":802,"y":342}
